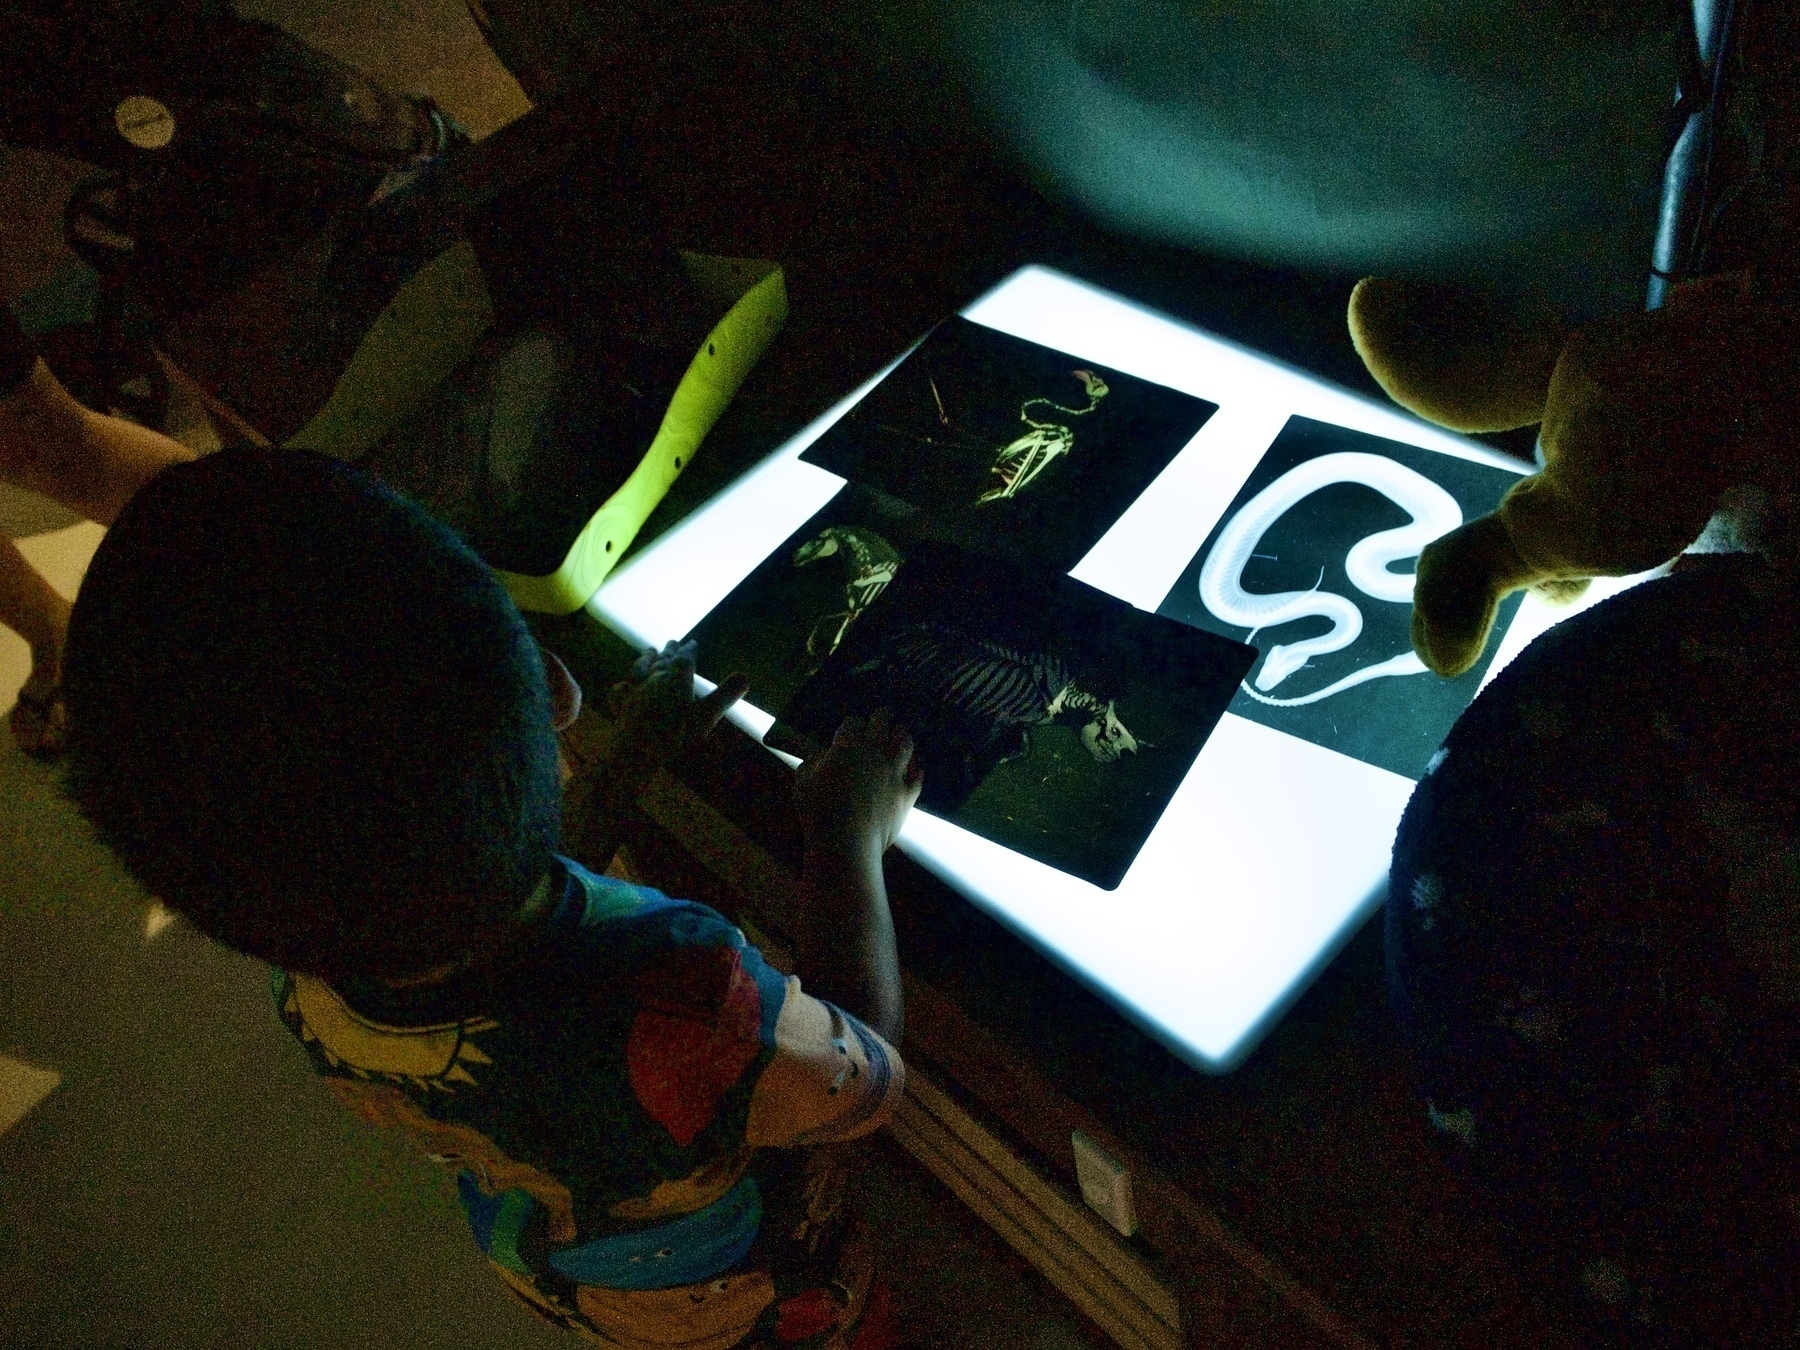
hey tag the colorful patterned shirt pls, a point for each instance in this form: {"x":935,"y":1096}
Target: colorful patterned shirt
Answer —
{"x":614,"y":1100}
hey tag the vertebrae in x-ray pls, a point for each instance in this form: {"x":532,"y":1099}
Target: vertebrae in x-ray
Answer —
{"x":1003,"y":690}
{"x":870,"y":564}
{"x":1434,"y":513}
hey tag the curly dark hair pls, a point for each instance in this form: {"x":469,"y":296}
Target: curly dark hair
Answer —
{"x":308,"y":717}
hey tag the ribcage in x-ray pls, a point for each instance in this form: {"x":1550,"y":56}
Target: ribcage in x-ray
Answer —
{"x":981,"y":679}
{"x":970,"y":702}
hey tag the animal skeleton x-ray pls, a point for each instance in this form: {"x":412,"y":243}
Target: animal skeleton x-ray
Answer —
{"x":1368,"y":563}
{"x":1010,"y":448}
{"x":870,"y":563}
{"x":1047,"y":716}
{"x":1017,"y":463}
{"x":1312,"y":564}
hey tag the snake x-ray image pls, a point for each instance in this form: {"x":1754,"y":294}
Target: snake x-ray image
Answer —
{"x":1048,"y":717}
{"x":1312,"y":564}
{"x":1009,"y":448}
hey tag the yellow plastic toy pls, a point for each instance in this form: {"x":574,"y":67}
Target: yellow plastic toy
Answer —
{"x":1650,"y":423}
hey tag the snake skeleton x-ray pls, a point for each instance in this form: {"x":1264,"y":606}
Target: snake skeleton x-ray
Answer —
{"x":1434,"y":513}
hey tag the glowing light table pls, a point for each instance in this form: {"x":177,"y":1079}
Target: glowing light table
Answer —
{"x":1274,"y":850}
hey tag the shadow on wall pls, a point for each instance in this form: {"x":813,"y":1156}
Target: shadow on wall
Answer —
{"x":1471,"y":138}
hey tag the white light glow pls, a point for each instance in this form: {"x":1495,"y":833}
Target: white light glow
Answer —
{"x":156,"y":918}
{"x":22,"y":1086}
{"x":1273,"y":850}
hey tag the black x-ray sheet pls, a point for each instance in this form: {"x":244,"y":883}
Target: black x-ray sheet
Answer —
{"x":784,"y":619}
{"x":1312,"y":563}
{"x":1008,"y":448}
{"x":1048,"y":716}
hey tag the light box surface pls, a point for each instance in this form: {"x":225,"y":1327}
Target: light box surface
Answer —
{"x":1274,"y":850}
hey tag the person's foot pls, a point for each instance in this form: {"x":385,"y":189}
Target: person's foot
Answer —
{"x":39,"y":722}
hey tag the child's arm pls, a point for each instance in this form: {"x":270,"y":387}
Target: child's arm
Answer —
{"x":32,"y":609}
{"x":89,"y":463}
{"x":85,"y":460}
{"x":655,"y":718}
{"x":852,"y":801}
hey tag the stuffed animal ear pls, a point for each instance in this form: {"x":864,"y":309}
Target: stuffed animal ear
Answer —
{"x":1461,"y":358}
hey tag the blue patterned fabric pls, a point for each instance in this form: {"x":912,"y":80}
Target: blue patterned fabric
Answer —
{"x":614,"y":1094}
{"x":1593,"y":935}
{"x":687,"y":1250}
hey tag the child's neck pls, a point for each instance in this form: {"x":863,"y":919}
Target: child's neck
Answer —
{"x":529,"y":915}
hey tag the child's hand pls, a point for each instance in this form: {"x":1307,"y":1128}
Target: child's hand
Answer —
{"x":858,"y":792}
{"x":38,"y":720}
{"x":31,"y":607}
{"x":655,"y":714}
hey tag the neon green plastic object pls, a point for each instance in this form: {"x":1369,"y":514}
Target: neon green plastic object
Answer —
{"x":757,"y":292}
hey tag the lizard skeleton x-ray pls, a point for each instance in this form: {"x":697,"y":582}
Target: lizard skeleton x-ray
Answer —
{"x":871,"y":563}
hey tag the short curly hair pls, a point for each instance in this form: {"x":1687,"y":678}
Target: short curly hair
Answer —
{"x":307,"y":716}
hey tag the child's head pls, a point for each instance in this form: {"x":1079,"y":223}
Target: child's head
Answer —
{"x":307,"y":716}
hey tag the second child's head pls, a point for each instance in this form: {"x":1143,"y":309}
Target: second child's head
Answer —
{"x":308,"y":717}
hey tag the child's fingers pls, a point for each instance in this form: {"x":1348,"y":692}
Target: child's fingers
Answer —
{"x":651,"y":658}
{"x":716,"y":704}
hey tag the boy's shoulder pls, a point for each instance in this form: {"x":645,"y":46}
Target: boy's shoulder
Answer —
{"x":607,"y":947}
{"x":670,"y":958}
{"x":658,"y":1007}
{"x":598,"y":904}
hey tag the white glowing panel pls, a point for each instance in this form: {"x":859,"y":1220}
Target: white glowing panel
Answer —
{"x":1274,"y":850}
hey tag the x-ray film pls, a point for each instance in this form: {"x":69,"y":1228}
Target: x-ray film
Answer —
{"x":783,"y":620}
{"x":1048,"y":716}
{"x":1312,"y":564}
{"x":1009,"y":448}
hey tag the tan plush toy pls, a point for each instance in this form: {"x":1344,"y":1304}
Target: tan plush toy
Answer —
{"x":1649,"y":422}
